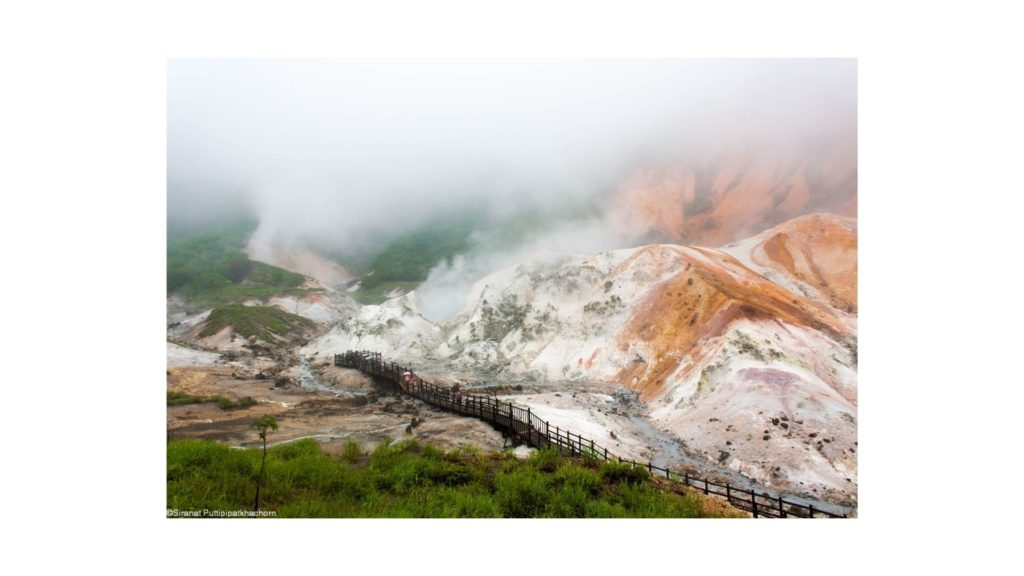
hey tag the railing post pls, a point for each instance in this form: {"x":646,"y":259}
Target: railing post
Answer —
{"x":810,"y":511}
{"x":728,"y":492}
{"x":686,"y":478}
{"x":706,"y":486}
{"x":753,"y":502}
{"x":782,"y":513}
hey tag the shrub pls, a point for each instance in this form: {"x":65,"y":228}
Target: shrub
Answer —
{"x":569,"y":502}
{"x":579,"y":477}
{"x":623,"y":473}
{"x":545,"y":460}
{"x":432,"y":452}
{"x":522,"y":493}
{"x":351,"y":452}
{"x":229,"y":404}
{"x":175,"y":398}
{"x":223,"y":403}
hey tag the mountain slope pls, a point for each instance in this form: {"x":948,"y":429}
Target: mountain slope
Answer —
{"x":300,"y":261}
{"x":815,"y":255}
{"x":747,"y":372}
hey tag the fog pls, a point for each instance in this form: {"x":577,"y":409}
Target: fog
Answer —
{"x":346,"y":154}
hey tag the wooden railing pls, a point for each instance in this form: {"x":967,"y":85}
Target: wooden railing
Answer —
{"x":528,"y":428}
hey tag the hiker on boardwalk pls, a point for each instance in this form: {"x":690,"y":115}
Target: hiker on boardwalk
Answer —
{"x":457,"y":394}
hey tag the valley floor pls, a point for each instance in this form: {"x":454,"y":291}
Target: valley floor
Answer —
{"x":334,"y":406}
{"x":357,"y":413}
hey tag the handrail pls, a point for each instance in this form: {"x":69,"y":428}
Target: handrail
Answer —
{"x":530,"y":429}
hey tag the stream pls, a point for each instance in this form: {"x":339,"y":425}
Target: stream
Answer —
{"x":309,"y":381}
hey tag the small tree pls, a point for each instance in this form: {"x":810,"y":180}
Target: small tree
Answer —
{"x":263,"y":424}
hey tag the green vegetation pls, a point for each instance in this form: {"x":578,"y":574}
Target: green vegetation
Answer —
{"x":410,"y":480}
{"x":379,"y":292}
{"x":229,"y":404}
{"x":175,"y":398}
{"x":406,"y":261}
{"x":410,"y":257}
{"x":263,"y":425}
{"x":211,"y":268}
{"x":263,"y":322}
{"x":351,"y":452}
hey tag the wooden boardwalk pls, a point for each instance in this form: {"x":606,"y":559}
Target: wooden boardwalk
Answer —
{"x":528,"y":428}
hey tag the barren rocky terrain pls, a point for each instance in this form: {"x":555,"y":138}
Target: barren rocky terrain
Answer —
{"x":739,"y":361}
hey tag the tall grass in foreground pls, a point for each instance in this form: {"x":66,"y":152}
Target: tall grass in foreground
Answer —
{"x":410,"y":480}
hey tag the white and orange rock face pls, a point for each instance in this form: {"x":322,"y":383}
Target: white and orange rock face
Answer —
{"x":746,"y":354}
{"x":713,"y":199}
{"x":815,"y":255}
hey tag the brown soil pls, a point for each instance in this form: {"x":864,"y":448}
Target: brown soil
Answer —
{"x":368,"y":418}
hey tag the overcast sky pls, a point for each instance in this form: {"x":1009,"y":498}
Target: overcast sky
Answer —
{"x":331,"y":149}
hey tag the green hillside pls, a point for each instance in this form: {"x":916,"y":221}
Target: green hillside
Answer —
{"x":211,"y":268}
{"x":405,"y":262}
{"x":263,"y":322}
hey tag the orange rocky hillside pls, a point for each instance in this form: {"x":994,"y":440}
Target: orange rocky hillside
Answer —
{"x":816,"y":254}
{"x":746,"y":355}
{"x":580,"y":317}
{"x":712,"y":290}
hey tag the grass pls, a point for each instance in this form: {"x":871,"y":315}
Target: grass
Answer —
{"x":211,"y":268}
{"x":411,"y":480}
{"x":406,"y":261}
{"x":410,"y":257}
{"x":175,"y":398}
{"x":377,"y":294}
{"x":263,"y":322}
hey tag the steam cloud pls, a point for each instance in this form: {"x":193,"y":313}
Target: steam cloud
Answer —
{"x":347,"y":154}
